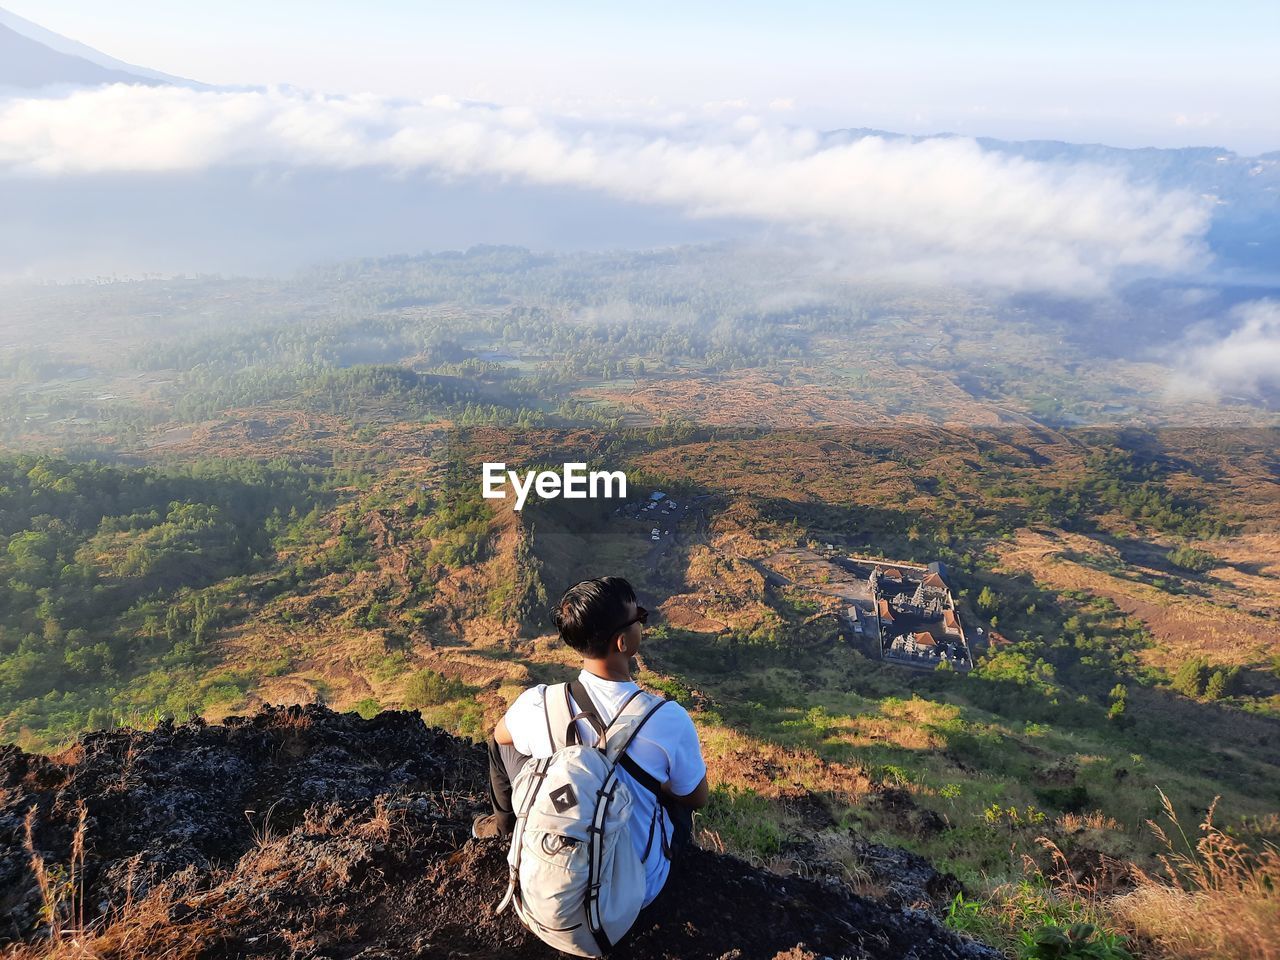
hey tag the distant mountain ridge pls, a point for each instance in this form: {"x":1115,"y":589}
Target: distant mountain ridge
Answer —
{"x":27,"y":64}
{"x":32,"y":57}
{"x":1209,"y":167}
{"x":1241,"y":192}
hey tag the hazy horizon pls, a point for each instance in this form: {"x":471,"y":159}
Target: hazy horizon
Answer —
{"x":406,"y":130}
{"x":1145,"y":75}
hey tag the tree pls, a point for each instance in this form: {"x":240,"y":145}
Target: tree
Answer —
{"x":988,"y":602}
{"x":1118,"y":695}
{"x":1191,"y":677}
{"x":1216,"y":687}
{"x":1220,"y":683}
{"x":32,"y":553}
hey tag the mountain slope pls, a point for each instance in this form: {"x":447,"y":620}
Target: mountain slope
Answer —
{"x":32,"y":56}
{"x":27,"y":63}
{"x":302,"y":832}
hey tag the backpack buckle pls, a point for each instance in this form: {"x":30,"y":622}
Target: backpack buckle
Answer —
{"x":560,"y":843}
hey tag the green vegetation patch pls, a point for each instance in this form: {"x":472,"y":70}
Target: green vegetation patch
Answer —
{"x":747,"y":823}
{"x":107,"y":572}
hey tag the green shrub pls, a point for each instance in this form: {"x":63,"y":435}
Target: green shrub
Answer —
{"x":461,"y":717}
{"x":988,"y":602}
{"x":1221,"y":683}
{"x":673,"y":689}
{"x":1080,"y":941}
{"x":966,"y":916}
{"x":1193,"y":560}
{"x":1191,"y":676}
{"x":429,"y":688}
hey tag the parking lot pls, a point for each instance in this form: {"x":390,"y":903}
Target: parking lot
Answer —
{"x":657,"y":521}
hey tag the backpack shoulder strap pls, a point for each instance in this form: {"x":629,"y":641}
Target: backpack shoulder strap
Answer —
{"x":621,"y":730}
{"x":587,"y":704}
{"x":556,"y":707}
{"x":635,"y":713}
{"x":562,"y":718}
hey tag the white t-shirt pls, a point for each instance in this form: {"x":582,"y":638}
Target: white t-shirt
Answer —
{"x":667,"y":747}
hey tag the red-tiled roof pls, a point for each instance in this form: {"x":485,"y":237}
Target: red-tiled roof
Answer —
{"x":885,"y":613}
{"x":933,"y":580}
{"x":892,"y":572}
{"x":924,"y":639}
{"x":949,"y":620}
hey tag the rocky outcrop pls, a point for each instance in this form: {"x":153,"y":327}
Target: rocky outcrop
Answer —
{"x":300,"y":832}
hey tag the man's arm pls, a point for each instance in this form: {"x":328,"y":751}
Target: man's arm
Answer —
{"x":501,"y":733}
{"x":695,"y":800}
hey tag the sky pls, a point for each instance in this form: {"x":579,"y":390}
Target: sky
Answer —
{"x":438,"y":128}
{"x":1127,"y":74}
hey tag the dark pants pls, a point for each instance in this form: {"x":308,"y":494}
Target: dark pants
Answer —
{"x":505,"y":762}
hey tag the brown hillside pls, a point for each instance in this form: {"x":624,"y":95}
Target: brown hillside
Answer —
{"x":300,"y":832}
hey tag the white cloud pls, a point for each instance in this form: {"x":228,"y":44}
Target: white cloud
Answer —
{"x":1196,"y":120}
{"x":940,"y":209}
{"x":1244,"y":362}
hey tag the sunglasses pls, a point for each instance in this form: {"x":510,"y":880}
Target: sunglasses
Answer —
{"x":642,"y":616}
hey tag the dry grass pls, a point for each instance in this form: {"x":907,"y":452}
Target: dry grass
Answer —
{"x":1182,"y":626}
{"x":262,"y":835}
{"x":735,"y":760}
{"x":1216,"y":898}
{"x":61,"y":888}
{"x":1094,"y":820}
{"x":145,"y":928}
{"x":140,"y":926}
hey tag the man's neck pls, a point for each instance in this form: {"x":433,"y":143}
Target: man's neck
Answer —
{"x":609,"y":669}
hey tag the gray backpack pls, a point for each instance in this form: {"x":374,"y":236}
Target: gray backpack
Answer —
{"x":575,"y":879}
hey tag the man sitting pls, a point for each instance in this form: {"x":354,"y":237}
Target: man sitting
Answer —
{"x":602,"y":621}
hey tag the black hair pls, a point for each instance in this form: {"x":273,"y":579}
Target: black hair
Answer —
{"x":589,"y":610}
